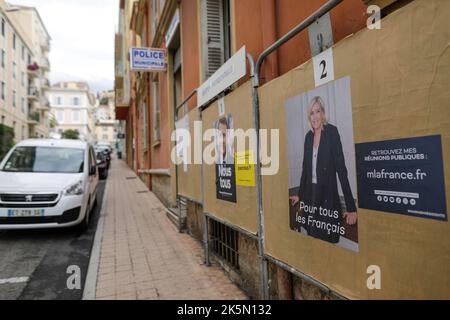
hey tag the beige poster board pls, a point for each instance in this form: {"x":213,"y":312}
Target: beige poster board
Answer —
{"x":243,"y":213}
{"x":190,"y":176}
{"x":400,"y":88}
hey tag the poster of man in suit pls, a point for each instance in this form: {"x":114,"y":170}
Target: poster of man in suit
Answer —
{"x":322,"y":170}
{"x":225,"y":159}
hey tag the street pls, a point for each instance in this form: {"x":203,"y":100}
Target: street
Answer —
{"x":271,"y":150}
{"x":34,"y":263}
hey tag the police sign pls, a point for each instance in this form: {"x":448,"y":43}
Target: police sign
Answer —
{"x":148,"y":59}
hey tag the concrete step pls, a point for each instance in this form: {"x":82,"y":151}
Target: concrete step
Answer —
{"x":174,"y":216}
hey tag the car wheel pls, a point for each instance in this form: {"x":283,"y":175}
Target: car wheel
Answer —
{"x":84,"y":225}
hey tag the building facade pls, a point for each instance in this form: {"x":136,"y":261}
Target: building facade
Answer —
{"x":73,"y":108}
{"x":106,"y":126}
{"x":252,"y":238}
{"x":38,"y":69}
{"x":24,"y":74}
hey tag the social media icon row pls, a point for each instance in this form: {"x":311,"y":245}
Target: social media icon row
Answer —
{"x":397,"y":200}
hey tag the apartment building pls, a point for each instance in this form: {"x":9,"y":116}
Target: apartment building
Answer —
{"x":22,"y":104}
{"x":254,"y":234}
{"x":106,"y":126}
{"x":73,"y":107}
{"x":36,"y":76}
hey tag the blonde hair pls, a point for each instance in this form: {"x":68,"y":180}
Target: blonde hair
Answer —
{"x":321,"y":104}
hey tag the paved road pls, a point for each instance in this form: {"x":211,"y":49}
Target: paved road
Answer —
{"x":43,"y":256}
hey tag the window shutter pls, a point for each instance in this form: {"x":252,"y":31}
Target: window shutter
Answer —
{"x":212,"y":36}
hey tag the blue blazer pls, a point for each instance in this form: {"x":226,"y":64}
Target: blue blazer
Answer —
{"x":330,"y":161}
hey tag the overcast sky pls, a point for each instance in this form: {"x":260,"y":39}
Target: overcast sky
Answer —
{"x":82,"y":45}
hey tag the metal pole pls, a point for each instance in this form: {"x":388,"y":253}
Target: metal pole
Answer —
{"x":206,"y":239}
{"x":264,"y":281}
{"x":177,"y":108}
{"x":256,"y":71}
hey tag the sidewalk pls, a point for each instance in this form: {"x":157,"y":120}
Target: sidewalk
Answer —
{"x":142,"y":254}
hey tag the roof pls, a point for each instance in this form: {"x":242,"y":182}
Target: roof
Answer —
{"x":63,"y":143}
{"x":38,"y":15}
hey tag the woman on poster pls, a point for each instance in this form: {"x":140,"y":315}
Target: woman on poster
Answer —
{"x":318,"y":195}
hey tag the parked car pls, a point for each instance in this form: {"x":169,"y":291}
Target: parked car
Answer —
{"x":105,"y":145}
{"x":48,"y":184}
{"x":102,"y":164}
{"x":106,"y":153}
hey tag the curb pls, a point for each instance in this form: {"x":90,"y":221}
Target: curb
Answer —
{"x":94,"y":261}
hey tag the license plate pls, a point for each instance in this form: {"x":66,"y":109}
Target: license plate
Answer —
{"x":26,"y":212}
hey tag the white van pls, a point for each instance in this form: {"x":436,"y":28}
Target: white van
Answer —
{"x":48,"y":184}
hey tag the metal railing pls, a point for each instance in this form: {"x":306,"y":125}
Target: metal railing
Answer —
{"x":34,"y":116}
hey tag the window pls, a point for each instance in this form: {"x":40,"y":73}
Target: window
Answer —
{"x":3,"y":88}
{"x":60,"y":116}
{"x":22,"y":76}
{"x":216,"y":35}
{"x":22,"y":105}
{"x":225,"y":243}
{"x":157,"y":111}
{"x":14,"y":98}
{"x":29,"y":59}
{"x":76,"y":116}
{"x":105,"y":129}
{"x":14,"y":70}
{"x":3,"y":62}
{"x":45,"y":159}
{"x":105,"y":137}
{"x":14,"y":41}
{"x":76,"y":101}
{"x":3,"y":27}
{"x":58,"y":101}
{"x":23,"y":133}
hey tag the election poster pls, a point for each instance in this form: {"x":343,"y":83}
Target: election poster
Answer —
{"x":225,"y":159}
{"x":321,"y":159}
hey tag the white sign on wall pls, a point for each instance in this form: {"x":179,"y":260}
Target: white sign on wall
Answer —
{"x":233,"y":70}
{"x":323,"y":67}
{"x":148,"y":59}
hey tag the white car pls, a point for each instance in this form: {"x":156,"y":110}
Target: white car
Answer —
{"x":48,"y":184}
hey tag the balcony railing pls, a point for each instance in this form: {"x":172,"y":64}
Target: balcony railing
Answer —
{"x":34,"y":117}
{"x":45,"y":45}
{"x":45,"y":84}
{"x":44,"y":104}
{"x":45,"y":64}
{"x":33,"y":93}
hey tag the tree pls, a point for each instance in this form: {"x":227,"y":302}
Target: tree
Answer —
{"x":71,"y":134}
{"x":53,"y":122}
{"x":6,"y":140}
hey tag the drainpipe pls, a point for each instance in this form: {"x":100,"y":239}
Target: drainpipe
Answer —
{"x":256,"y":84}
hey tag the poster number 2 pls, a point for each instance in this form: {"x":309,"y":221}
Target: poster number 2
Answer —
{"x":323,"y":64}
{"x":323,"y":67}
